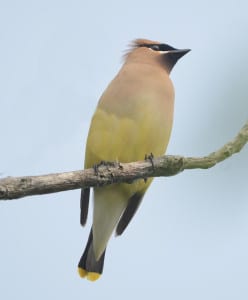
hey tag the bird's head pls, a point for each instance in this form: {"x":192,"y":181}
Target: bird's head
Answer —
{"x":147,"y":51}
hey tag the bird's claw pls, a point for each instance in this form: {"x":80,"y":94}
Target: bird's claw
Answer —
{"x":150,"y":158}
{"x":104,"y":164}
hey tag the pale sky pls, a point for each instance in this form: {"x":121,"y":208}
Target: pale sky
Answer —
{"x":189,"y":239}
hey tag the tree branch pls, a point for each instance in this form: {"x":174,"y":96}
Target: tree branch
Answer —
{"x":169,"y":165}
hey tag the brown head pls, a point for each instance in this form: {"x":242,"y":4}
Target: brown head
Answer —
{"x":150,"y":52}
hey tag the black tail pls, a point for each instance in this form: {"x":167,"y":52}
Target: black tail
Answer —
{"x":84,"y":205}
{"x":88,"y":266}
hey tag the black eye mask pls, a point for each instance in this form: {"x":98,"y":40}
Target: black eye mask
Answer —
{"x":158,"y":47}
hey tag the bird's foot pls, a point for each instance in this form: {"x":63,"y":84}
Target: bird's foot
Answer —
{"x":150,"y":158}
{"x":103,"y":163}
{"x":95,"y":167}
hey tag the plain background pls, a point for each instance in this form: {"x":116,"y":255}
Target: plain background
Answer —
{"x":189,"y":239}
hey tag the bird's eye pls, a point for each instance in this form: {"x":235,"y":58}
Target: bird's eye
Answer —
{"x":155,"y":47}
{"x":165,"y":47}
{"x":158,"y":47}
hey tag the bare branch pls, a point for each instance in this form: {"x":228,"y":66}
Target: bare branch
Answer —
{"x":18,"y":187}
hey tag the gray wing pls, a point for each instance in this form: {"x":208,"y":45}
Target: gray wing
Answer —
{"x":129,"y":212}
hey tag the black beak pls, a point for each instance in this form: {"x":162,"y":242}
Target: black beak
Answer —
{"x":178,"y":53}
{"x":172,"y":56}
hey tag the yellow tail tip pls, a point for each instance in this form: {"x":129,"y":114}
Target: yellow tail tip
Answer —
{"x":82,"y":273}
{"x":92,"y":276}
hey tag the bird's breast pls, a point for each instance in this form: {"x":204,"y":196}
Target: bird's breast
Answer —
{"x":133,"y":118}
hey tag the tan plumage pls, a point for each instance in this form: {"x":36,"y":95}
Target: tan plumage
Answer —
{"x":133,"y":118}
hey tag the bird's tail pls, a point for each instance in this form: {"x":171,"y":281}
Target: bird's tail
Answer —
{"x":88,"y":266}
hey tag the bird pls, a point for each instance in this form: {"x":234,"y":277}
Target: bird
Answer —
{"x":133,"y":118}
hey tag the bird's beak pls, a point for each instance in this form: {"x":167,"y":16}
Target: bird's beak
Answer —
{"x":178,"y":53}
{"x":172,"y":56}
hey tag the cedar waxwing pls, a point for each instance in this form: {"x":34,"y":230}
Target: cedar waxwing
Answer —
{"x":133,"y":118}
